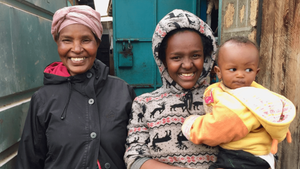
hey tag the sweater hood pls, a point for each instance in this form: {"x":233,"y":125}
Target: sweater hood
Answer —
{"x":178,"y":19}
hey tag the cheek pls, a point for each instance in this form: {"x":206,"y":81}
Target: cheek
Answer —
{"x":62,"y":49}
{"x":199,"y":64}
{"x":91,"y":49}
{"x":172,"y":66}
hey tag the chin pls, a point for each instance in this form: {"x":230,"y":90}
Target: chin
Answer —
{"x":187,"y":86}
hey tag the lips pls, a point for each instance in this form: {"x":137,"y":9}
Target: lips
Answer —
{"x":239,"y":82}
{"x":77,"y":59}
{"x":187,"y":74}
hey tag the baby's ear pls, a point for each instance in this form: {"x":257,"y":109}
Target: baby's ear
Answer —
{"x":218,"y":72}
{"x":257,"y":70}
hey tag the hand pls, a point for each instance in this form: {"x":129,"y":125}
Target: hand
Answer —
{"x":150,"y":164}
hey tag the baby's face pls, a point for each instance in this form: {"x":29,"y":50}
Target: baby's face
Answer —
{"x":237,"y":64}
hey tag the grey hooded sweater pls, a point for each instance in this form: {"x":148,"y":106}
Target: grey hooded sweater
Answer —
{"x":154,"y":130}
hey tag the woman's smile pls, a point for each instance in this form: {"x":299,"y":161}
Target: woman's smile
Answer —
{"x":187,"y":76}
{"x":184,"y":58}
{"x":77,"y":48}
{"x":77,"y":59}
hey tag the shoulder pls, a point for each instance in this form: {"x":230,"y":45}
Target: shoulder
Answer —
{"x":145,"y":97}
{"x":52,"y":89}
{"x":117,"y":84}
{"x":116,"y":80}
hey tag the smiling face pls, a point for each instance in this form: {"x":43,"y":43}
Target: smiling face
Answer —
{"x":237,"y":64}
{"x":77,"y":48}
{"x":184,"y":58}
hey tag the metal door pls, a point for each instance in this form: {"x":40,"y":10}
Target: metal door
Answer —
{"x":26,"y":48}
{"x":134,"y":22}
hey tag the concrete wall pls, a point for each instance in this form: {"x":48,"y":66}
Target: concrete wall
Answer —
{"x":239,"y":17}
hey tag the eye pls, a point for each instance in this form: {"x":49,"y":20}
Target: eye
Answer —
{"x":196,"y":56}
{"x":86,"y":40}
{"x":232,"y":69}
{"x":248,"y":70}
{"x":66,"y":40}
{"x":176,"y":58}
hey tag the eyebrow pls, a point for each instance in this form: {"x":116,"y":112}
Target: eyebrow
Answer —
{"x":69,"y":36}
{"x":178,"y":52}
{"x":251,"y":63}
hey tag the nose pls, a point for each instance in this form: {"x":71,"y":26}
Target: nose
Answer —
{"x":187,"y":63}
{"x":77,"y":47}
{"x":240,"y":74}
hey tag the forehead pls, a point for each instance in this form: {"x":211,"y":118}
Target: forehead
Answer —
{"x":185,"y":39}
{"x":241,"y":52}
{"x":76,"y":29}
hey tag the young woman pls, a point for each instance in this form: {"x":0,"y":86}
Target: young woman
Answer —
{"x":184,"y":50}
{"x":78,"y":118}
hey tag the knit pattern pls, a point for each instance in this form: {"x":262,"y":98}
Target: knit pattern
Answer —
{"x":154,"y":129}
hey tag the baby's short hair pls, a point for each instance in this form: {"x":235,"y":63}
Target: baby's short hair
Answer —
{"x":236,"y":40}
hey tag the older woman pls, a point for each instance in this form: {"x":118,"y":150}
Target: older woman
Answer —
{"x":78,"y":118}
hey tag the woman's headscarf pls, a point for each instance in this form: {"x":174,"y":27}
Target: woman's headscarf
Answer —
{"x":80,"y":14}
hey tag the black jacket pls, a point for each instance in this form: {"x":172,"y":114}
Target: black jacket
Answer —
{"x":73,"y":121}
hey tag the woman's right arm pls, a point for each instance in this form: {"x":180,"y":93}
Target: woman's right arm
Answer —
{"x":32,"y":148}
{"x":137,"y":155}
{"x":150,"y":164}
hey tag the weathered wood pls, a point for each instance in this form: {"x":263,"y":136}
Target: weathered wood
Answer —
{"x":280,"y":66}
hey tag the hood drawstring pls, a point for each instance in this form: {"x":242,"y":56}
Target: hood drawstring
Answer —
{"x":96,"y":71}
{"x":189,"y":100}
{"x":64,"y":113}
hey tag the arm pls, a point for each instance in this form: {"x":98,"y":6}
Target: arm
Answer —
{"x":137,"y":155}
{"x":136,"y":142}
{"x":32,"y":148}
{"x":150,"y":164}
{"x":228,"y":121}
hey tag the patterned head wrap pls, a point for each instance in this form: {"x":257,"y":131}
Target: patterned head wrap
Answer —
{"x":80,"y":14}
{"x":178,"y":19}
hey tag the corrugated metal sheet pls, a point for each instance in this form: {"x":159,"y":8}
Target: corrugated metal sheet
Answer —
{"x":26,"y":47}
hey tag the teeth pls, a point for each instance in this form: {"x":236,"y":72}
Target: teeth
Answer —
{"x":189,"y":74}
{"x":77,"y":59}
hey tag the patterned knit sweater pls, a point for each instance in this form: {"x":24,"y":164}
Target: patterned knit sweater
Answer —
{"x":154,"y":130}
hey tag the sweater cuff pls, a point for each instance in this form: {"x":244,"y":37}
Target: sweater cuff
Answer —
{"x":187,"y":125}
{"x":139,"y":162}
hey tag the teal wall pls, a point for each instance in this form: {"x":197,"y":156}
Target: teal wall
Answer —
{"x":134,"y":22}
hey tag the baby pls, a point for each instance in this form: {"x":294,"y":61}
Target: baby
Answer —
{"x":245,"y":119}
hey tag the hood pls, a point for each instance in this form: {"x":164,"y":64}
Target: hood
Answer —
{"x":178,"y":19}
{"x":273,"y":111}
{"x":56,"y":73}
{"x":57,"y":68}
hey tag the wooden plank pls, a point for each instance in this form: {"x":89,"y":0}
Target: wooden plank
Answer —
{"x":266,"y":45}
{"x":280,"y":66}
{"x":290,"y":153}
